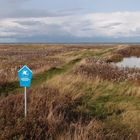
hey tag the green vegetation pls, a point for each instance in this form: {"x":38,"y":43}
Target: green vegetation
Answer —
{"x":38,"y":78}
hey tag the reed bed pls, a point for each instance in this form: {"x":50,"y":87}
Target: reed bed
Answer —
{"x":129,"y":51}
{"x":122,"y":52}
{"x":92,"y":67}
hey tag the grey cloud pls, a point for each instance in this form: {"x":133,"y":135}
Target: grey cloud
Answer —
{"x":87,"y":29}
{"x":13,"y":9}
{"x":77,"y":26}
{"x":27,"y":23}
{"x":28,"y":28}
{"x":111,"y":25}
{"x":69,"y":11}
{"x":9,"y":5}
{"x":25,"y":13}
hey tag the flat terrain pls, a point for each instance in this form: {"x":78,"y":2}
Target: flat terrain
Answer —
{"x":76,"y":93}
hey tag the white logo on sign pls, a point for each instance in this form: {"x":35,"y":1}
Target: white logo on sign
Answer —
{"x":25,"y":73}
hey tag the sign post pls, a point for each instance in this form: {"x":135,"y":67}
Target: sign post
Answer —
{"x":25,"y":98}
{"x":25,"y":77}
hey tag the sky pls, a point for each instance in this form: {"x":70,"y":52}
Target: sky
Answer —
{"x":74,"y":21}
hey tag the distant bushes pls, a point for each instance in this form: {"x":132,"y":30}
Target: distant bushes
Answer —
{"x":129,"y":51}
{"x":119,"y":54}
{"x":114,"y":58}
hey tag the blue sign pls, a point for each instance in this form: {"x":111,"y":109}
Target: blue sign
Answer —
{"x":25,"y":76}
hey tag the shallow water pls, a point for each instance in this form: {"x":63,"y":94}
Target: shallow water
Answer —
{"x":131,"y":62}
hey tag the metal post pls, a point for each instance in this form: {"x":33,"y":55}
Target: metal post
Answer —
{"x":25,"y":98}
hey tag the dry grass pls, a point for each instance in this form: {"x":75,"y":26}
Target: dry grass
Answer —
{"x":104,"y":101}
{"x":92,"y":67}
{"x":49,"y":115}
{"x":129,"y":51}
{"x":93,"y":101}
{"x":39,"y":58}
{"x":52,"y":115}
{"x":122,"y":52}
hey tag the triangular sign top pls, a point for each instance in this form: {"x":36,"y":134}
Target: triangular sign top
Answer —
{"x":23,"y":68}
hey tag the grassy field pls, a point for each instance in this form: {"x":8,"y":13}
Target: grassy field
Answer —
{"x":76,"y":93}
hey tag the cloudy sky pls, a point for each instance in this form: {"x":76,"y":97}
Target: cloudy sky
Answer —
{"x":72,"y":21}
